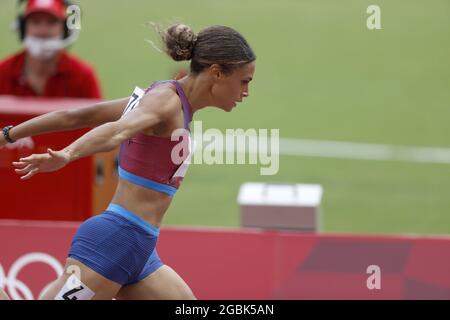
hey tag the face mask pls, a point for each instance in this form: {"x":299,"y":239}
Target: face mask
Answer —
{"x":41,"y":48}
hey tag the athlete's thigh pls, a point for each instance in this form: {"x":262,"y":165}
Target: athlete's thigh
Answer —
{"x":87,"y":285}
{"x":163,"y":284}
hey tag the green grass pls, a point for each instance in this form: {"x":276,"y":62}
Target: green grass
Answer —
{"x":321,"y":74}
{"x":360,"y":196}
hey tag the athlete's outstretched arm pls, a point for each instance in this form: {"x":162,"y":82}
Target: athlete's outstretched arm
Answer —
{"x":66,"y":120}
{"x":154,"y":108}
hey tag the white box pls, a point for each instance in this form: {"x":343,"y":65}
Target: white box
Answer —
{"x":281,"y":206}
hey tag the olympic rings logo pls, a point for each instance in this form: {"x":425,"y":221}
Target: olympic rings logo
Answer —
{"x":15,"y":286}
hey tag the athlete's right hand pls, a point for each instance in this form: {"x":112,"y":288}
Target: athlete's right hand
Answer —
{"x":44,"y":162}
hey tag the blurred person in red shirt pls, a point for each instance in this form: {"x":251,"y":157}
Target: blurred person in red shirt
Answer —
{"x":44,"y":68}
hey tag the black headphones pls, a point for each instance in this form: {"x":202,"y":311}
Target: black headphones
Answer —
{"x":21,"y":20}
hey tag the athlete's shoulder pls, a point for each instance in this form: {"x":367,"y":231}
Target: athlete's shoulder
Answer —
{"x":162,"y":99}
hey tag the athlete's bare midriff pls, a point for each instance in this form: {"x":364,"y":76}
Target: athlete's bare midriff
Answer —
{"x":148,"y":204}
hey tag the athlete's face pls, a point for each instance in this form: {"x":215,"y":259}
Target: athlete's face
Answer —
{"x":229,"y":89}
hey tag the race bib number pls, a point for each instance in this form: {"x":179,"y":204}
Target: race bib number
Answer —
{"x":74,"y":289}
{"x":135,"y":98}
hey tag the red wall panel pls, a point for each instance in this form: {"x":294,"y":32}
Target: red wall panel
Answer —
{"x":63,"y":195}
{"x":249,"y":263}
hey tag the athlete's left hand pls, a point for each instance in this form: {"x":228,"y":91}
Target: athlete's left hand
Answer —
{"x":44,"y":162}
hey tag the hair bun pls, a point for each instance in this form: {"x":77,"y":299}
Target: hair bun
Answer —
{"x":180,"y":41}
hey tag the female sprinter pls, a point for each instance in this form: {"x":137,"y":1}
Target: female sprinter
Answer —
{"x":115,"y":251}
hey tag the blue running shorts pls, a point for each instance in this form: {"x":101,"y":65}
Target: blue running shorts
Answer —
{"x":117,"y":244}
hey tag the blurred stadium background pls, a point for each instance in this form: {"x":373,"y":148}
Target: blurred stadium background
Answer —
{"x":322,"y":75}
